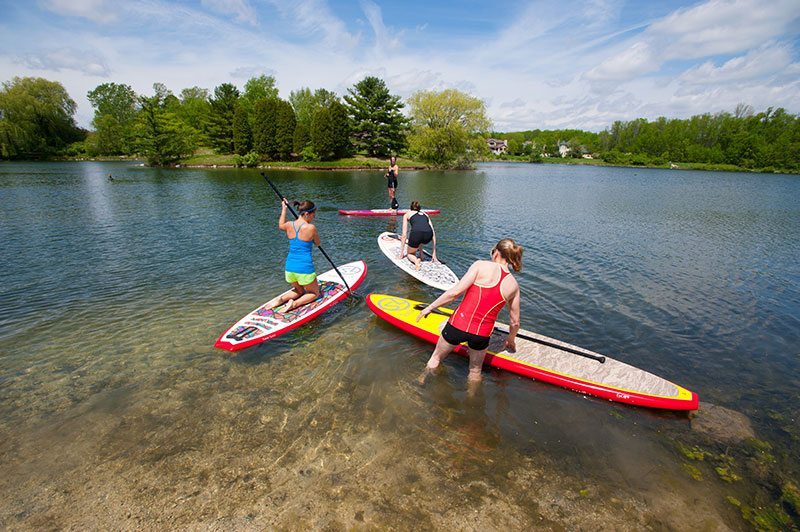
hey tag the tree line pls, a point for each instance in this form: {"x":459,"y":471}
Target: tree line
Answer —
{"x":744,"y":138}
{"x":441,"y":128}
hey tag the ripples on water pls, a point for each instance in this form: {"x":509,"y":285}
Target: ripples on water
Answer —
{"x":115,"y":409}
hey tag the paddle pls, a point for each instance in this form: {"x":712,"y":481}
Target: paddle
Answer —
{"x":598,"y":358}
{"x":397,"y":237}
{"x":280,"y":196}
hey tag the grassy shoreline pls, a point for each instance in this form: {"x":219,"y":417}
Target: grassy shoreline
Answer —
{"x":711,"y":167}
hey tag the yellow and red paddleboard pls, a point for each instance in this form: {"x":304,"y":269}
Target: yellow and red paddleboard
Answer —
{"x":547,"y":359}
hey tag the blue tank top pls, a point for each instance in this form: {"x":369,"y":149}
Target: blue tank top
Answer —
{"x":299,"y":258}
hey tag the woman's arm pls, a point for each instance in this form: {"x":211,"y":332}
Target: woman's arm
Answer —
{"x":513,"y":323}
{"x":433,"y":255}
{"x":403,"y":236}
{"x":282,"y":220}
{"x":459,"y":288}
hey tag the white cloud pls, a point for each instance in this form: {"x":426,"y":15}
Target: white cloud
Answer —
{"x":384,"y":37}
{"x":637,"y":60}
{"x":247,"y":72}
{"x":723,"y":27}
{"x":315,"y":17}
{"x":101,"y":11}
{"x":56,"y":60}
{"x":758,"y":63}
{"x":241,"y":8}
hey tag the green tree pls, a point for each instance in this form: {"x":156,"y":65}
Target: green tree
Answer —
{"x":115,"y":106}
{"x":330,"y":133}
{"x":219,"y":129}
{"x":305,"y":105}
{"x":378,"y":126}
{"x":162,"y":137}
{"x":264,"y":124}
{"x":36,"y":118}
{"x":242,"y":135}
{"x":284,"y":130}
{"x":195,"y":109}
{"x":447,"y":127}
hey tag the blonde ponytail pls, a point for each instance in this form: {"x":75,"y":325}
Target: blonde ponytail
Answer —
{"x":511,"y":252}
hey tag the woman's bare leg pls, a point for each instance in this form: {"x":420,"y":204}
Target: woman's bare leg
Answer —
{"x":440,"y":352}
{"x":309,"y":292}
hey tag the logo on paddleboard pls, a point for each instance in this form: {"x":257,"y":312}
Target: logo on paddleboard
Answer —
{"x":393,"y":304}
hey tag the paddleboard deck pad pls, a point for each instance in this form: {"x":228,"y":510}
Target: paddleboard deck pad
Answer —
{"x":431,"y":273}
{"x":547,"y":359}
{"x":383,"y":212}
{"x":266,"y":323}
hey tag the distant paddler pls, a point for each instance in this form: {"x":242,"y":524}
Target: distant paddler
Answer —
{"x":421,"y":233}
{"x":300,"y":272}
{"x":391,"y":182}
{"x":489,"y":286}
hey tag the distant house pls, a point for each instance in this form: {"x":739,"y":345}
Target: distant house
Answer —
{"x":563,"y":149}
{"x":497,"y":146}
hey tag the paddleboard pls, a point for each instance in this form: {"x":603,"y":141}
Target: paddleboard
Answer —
{"x":383,"y":212}
{"x":547,"y":359}
{"x":264,"y":323}
{"x":431,"y":273}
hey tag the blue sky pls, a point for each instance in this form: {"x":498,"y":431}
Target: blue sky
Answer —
{"x":541,"y":64}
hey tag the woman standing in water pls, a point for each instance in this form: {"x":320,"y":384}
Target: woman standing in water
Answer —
{"x":391,"y":181}
{"x":421,"y":233}
{"x":489,"y":285}
{"x":300,"y":273}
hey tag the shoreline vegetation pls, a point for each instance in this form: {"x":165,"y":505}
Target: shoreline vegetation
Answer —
{"x":360,"y":163}
{"x":321,"y":130}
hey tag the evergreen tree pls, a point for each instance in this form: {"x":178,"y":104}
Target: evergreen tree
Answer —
{"x":242,"y":136}
{"x":264,"y":120}
{"x":219,"y":130}
{"x":378,"y":126}
{"x":285,"y":123}
{"x":330,"y":132}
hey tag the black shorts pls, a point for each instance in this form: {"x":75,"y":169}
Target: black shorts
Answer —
{"x":392,"y":182}
{"x":416,"y":238}
{"x":455,"y":336}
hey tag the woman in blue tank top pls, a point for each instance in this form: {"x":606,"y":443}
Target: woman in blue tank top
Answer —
{"x":300,"y":273}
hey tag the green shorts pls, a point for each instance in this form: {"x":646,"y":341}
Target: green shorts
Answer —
{"x":302,"y":279}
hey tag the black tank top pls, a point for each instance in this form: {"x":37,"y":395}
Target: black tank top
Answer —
{"x":419,"y":222}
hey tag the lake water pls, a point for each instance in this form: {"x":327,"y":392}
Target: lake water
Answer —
{"x":117,"y":412}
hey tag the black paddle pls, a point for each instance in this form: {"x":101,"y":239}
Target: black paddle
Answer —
{"x":280,"y":196}
{"x":397,"y":237}
{"x":598,"y":358}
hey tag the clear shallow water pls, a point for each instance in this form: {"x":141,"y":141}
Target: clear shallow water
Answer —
{"x":116,"y":411}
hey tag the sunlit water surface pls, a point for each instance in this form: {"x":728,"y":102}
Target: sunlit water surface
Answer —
{"x":116,"y":411}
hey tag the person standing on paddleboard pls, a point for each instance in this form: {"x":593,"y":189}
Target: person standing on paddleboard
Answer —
{"x":421,"y":233}
{"x":391,"y":182}
{"x":489,"y":285}
{"x":300,"y":272}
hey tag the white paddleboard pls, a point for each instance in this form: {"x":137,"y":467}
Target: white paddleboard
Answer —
{"x":431,"y":273}
{"x":265,"y":323}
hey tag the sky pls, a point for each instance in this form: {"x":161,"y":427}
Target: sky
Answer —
{"x":547,"y":64}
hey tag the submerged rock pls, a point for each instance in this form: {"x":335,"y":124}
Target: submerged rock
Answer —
{"x":722,"y":423}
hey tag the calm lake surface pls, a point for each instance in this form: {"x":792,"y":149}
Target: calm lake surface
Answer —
{"x":117,"y":412}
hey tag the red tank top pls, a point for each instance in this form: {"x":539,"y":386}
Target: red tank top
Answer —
{"x":479,"y":309}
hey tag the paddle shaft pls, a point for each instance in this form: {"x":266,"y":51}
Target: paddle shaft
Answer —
{"x":397,"y":237}
{"x":597,"y":358}
{"x":297,"y":217}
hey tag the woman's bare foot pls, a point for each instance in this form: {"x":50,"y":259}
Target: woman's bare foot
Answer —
{"x":424,"y":375}
{"x":288,"y":306}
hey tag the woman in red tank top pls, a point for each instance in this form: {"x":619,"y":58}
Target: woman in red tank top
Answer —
{"x":489,"y":286}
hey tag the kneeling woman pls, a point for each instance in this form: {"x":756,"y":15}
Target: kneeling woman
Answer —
{"x":302,"y":235}
{"x":489,"y":285}
{"x":421,"y":233}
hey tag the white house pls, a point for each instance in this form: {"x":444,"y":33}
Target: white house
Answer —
{"x":497,"y":146}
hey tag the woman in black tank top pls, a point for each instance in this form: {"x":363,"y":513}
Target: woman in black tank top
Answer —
{"x":421,"y":232}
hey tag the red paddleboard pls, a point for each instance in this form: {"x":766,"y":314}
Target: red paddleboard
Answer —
{"x":266,"y":323}
{"x":547,"y":359}
{"x":383,"y":212}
